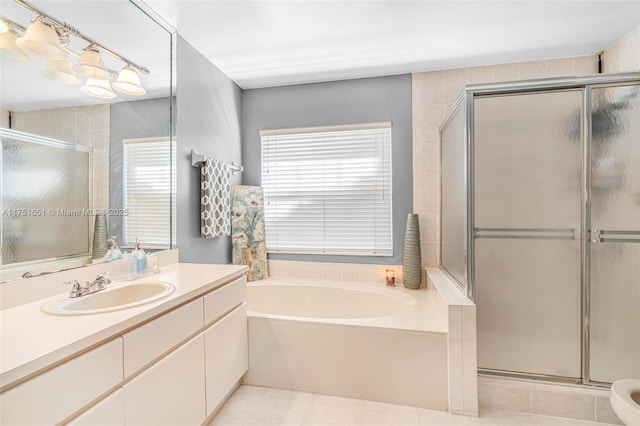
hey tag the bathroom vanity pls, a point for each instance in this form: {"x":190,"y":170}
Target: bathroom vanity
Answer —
{"x":171,"y":361}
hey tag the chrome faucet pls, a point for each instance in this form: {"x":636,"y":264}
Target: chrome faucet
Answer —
{"x":100,"y":283}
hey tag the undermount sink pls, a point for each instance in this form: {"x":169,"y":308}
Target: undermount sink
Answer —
{"x":112,"y":299}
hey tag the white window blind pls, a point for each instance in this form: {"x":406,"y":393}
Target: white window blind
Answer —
{"x":149,"y":166}
{"x":328,"y":190}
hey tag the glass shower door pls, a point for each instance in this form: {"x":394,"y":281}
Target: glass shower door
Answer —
{"x":527,"y":222}
{"x":614,"y":240}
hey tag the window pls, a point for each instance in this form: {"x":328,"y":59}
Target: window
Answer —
{"x":328,"y":190}
{"x":149,"y":191}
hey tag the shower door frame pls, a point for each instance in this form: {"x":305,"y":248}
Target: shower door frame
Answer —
{"x":466,"y":99}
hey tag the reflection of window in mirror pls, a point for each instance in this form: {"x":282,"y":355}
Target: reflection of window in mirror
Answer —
{"x":149,"y":191}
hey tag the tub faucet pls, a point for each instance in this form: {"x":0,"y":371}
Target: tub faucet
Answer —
{"x":100,"y":283}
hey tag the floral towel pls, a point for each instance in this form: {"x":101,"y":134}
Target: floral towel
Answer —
{"x":215,"y":199}
{"x":247,"y":230}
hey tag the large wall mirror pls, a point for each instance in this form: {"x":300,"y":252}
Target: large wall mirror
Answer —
{"x":83,"y":157}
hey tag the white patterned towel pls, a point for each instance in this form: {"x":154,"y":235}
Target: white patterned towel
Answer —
{"x":215,"y":198}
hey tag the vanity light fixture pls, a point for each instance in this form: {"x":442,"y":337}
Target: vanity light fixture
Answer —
{"x":49,"y":37}
{"x":98,"y":89}
{"x":9,"y":50}
{"x":60,"y":71}
{"x":42,"y":39}
{"x":128,"y":82}
{"x":4,"y":27}
{"x":91,"y":64}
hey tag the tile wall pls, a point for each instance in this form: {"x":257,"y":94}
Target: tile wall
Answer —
{"x":624,"y":54}
{"x":462,"y":361}
{"x":433,"y":95}
{"x":574,"y":402}
{"x":332,"y":271}
{"x":83,"y":125}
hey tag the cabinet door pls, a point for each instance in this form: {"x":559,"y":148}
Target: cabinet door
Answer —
{"x":56,"y":394}
{"x":109,"y":411}
{"x":170,"y":392}
{"x":226,"y":351}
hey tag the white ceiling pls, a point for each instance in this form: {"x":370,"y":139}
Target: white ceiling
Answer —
{"x":117,"y":24}
{"x":269,"y":43}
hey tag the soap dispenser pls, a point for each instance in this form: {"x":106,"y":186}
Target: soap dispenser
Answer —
{"x":140,"y":258}
{"x":116,"y":253}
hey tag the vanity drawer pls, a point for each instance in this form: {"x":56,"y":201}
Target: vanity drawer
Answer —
{"x":56,"y":394}
{"x":148,"y":342}
{"x":224,"y":299}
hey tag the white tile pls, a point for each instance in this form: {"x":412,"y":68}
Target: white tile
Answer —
{"x":495,"y":418}
{"x":558,"y":67}
{"x":604,"y":412}
{"x":531,"y":70}
{"x":505,"y":72}
{"x":469,"y":358}
{"x":454,"y":322}
{"x":379,"y":413}
{"x":435,"y":417}
{"x":454,"y":347}
{"x":432,"y":90}
{"x":501,"y":397}
{"x":454,"y":82}
{"x":470,"y":394}
{"x":585,"y":65}
{"x":336,"y":401}
{"x":456,"y":394}
{"x":469,"y":331}
{"x":318,"y":415}
{"x":480,"y":75}
{"x":279,"y":407}
{"x":571,"y":405}
{"x":431,"y":117}
{"x":238,"y":406}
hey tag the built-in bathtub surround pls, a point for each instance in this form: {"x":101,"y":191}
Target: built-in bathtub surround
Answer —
{"x":347,"y":338}
{"x":333,"y":271}
{"x":460,"y":314}
{"x":433,"y":94}
{"x":573,"y":402}
{"x":624,"y":54}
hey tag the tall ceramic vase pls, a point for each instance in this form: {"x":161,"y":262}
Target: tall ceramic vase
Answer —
{"x":412,"y":258}
{"x":100,"y":236}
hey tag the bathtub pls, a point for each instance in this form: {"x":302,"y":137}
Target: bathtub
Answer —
{"x":351,"y":339}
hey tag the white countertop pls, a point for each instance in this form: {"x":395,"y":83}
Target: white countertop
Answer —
{"x":31,"y":341}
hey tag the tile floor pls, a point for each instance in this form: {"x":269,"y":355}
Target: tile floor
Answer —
{"x":254,"y":405}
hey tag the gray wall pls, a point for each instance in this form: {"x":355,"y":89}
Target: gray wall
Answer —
{"x":334,"y":103}
{"x":208,"y":120}
{"x":136,"y":119}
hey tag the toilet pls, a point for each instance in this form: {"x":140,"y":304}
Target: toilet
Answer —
{"x":625,"y":401}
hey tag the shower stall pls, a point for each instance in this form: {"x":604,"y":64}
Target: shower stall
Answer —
{"x":541,"y":224}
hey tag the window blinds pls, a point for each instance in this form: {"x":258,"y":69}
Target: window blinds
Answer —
{"x":149,"y":191}
{"x":328,"y":190}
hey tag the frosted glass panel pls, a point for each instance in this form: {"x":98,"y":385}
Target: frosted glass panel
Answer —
{"x":528,"y":160}
{"x":454,"y":197}
{"x":527,"y":173}
{"x":45,"y":198}
{"x":528,"y":306}
{"x":615,"y":211}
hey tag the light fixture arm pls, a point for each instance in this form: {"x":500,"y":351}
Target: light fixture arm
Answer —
{"x":75,"y":32}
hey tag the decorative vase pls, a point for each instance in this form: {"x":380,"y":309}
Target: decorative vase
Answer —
{"x":100,"y":236}
{"x":412,"y":257}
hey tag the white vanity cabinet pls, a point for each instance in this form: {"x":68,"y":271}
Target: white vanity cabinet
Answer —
{"x":171,"y":391}
{"x":174,"y":369}
{"x":227,"y":356}
{"x":109,"y":411}
{"x":57,"y":393}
